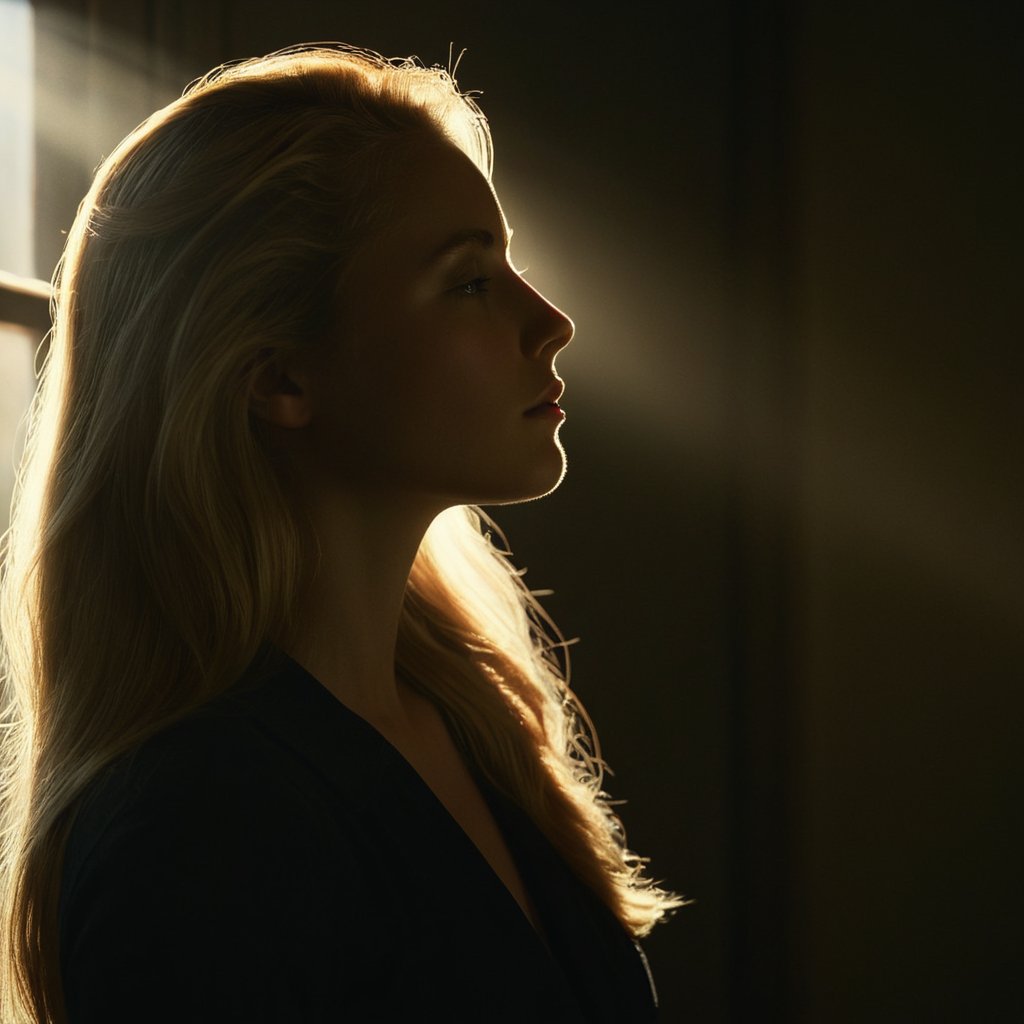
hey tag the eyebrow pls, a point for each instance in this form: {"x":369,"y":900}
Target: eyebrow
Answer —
{"x":465,"y":239}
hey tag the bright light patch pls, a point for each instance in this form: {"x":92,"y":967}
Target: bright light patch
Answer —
{"x":16,"y":251}
{"x":16,"y":163}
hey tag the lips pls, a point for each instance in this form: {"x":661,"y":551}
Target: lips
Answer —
{"x":549,"y":398}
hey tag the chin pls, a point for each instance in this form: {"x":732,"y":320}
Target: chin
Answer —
{"x":540,"y":485}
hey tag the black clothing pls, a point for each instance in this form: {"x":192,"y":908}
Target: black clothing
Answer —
{"x":273,"y":859}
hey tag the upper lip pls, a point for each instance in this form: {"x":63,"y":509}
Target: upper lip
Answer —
{"x":552,"y":393}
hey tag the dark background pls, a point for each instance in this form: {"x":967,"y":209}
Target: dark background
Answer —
{"x":789,"y":537}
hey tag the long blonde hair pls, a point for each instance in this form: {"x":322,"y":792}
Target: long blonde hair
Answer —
{"x":214,"y":235}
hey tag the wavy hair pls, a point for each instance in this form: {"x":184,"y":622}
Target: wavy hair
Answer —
{"x":153,"y":551}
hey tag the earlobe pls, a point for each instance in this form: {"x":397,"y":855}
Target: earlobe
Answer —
{"x":280,"y":397}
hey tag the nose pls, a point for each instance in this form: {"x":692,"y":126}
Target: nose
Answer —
{"x":548,"y":329}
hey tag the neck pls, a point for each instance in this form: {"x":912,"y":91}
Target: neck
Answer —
{"x":348,"y":616}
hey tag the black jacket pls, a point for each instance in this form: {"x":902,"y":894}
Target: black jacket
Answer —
{"x":273,"y":859}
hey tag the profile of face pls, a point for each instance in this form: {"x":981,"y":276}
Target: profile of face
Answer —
{"x":440,"y":384}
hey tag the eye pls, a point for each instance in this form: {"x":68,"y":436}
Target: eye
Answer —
{"x":476,"y":286}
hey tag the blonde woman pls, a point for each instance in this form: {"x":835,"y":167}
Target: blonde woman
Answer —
{"x":287,"y":738}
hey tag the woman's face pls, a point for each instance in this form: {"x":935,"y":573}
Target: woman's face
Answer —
{"x":444,"y":353}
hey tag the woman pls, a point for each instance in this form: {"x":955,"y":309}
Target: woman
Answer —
{"x":288,"y":736}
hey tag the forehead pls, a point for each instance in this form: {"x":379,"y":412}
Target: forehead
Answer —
{"x":440,"y":195}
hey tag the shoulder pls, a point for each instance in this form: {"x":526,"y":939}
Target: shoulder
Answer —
{"x":198,"y":858}
{"x":210,"y":800}
{"x":245,"y":760}
{"x":215,"y":771}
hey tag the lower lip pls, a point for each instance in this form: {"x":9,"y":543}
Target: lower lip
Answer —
{"x":548,"y":409}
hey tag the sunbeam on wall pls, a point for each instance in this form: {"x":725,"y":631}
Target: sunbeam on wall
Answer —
{"x":646,"y":362}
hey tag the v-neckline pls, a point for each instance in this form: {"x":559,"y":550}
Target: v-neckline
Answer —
{"x":469,"y":785}
{"x":407,"y":775}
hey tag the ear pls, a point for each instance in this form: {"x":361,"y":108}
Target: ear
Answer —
{"x":279,"y":395}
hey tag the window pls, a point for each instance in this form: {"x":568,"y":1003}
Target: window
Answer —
{"x":17,"y":344}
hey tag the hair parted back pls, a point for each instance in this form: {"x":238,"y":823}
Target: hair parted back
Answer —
{"x":153,"y":552}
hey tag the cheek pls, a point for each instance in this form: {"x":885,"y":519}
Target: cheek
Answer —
{"x":453,"y":377}
{"x":422,"y":398}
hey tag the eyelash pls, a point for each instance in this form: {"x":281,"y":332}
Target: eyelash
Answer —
{"x":478,"y":285}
